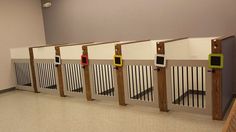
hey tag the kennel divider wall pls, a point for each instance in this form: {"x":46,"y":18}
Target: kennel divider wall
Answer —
{"x":45,"y":71}
{"x":188,"y":87}
{"x":102,"y":81}
{"x":21,"y":64}
{"x":138,"y":71}
{"x":72,"y":74}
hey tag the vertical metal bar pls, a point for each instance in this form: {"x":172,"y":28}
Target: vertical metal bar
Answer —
{"x":48,"y":78}
{"x":129,"y":82}
{"x":65,"y":67}
{"x":73,"y":77}
{"x":112,"y":83}
{"x":174,"y":83}
{"x":16,"y":72}
{"x":20,"y":77}
{"x":105,"y":75}
{"x":151,"y":83}
{"x":100,"y":78}
{"x":78,"y":80}
{"x":197,"y":88}
{"x":70,"y":80}
{"x":38,"y":74}
{"x":132,"y":75}
{"x":136,"y":82}
{"x":187,"y":85}
{"x":108,"y":79}
{"x":81,"y":79}
{"x":50,"y":68}
{"x":178,"y":85}
{"x":94,"y":79}
{"x":103,"y":80}
{"x":97,"y":77}
{"x":192,"y":87}
{"x":29,"y":76}
{"x":147,"y":82}
{"x":67,"y":77}
{"x":43,"y":75}
{"x":202,"y":88}
{"x":145,"y":90}
{"x":23,"y":73}
{"x":50,"y":74}
{"x":54,"y":73}
{"x":139,"y":79}
{"x":183,"y":84}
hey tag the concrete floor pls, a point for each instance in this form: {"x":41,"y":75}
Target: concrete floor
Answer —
{"x":22,"y":111}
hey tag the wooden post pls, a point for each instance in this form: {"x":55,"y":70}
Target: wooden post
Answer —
{"x":216,"y":84}
{"x":59,"y":74}
{"x":87,"y":76}
{"x":34,"y":82}
{"x":120,"y":78}
{"x":161,"y":80}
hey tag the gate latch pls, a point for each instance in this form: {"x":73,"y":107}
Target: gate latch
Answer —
{"x":157,"y":69}
{"x":213,"y":71}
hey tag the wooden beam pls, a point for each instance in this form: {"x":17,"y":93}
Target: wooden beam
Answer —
{"x":59,"y":74}
{"x":87,"y":76}
{"x":161,"y":80}
{"x":217,"y":114}
{"x":120,"y":78}
{"x":34,"y":82}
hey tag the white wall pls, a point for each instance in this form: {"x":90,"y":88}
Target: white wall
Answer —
{"x":44,"y":52}
{"x":71,"y":52}
{"x":104,"y":51}
{"x":140,"y":51}
{"x":200,"y":48}
{"x":189,"y":49}
{"x":20,"y":53}
{"x":21,"y":25}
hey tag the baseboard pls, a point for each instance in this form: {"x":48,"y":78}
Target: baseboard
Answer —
{"x":7,"y":90}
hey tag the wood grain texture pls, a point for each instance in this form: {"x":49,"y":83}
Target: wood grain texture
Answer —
{"x":59,"y":74}
{"x":230,"y":124}
{"x":217,"y":113}
{"x":34,"y":82}
{"x":87,"y":77}
{"x":161,"y":81}
{"x":120,"y":78}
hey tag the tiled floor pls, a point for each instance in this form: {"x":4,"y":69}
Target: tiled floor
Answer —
{"x":28,"y":112}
